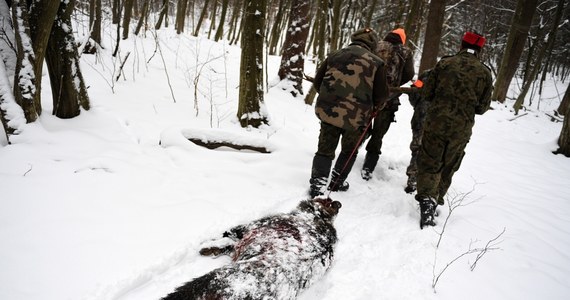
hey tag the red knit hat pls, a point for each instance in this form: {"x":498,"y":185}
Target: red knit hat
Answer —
{"x":475,"y":39}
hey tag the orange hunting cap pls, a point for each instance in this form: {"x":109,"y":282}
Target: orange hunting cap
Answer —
{"x":401,"y":33}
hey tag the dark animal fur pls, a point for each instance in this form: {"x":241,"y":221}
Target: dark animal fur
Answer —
{"x":272,"y":258}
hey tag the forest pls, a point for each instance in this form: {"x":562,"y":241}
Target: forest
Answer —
{"x":112,"y":180}
{"x":528,"y":42}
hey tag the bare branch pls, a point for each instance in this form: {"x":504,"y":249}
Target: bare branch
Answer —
{"x":489,"y":246}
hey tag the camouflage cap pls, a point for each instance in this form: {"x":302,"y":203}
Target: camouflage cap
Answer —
{"x":367,"y":36}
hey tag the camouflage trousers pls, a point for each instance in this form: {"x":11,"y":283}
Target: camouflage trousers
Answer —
{"x":439,"y":158}
{"x":417,"y":131}
{"x":381,"y":125}
{"x":329,"y":138}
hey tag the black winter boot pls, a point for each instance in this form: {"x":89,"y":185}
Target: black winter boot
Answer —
{"x":337,"y":184}
{"x":317,"y":186}
{"x":370,"y":161}
{"x":343,"y":163}
{"x":427,"y":211}
{"x":319,"y":175}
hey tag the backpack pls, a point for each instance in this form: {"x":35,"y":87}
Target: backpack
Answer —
{"x":394,"y":57}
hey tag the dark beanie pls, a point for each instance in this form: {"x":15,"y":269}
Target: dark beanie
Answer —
{"x":366,"y":36}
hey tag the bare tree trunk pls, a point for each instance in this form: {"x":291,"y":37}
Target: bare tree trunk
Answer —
{"x":220,"y":31}
{"x":433,"y":35}
{"x":551,"y":37}
{"x":6,"y":98}
{"x":68,"y":88}
{"x":127,"y":14}
{"x":95,"y":15}
{"x":162,"y":16}
{"x":518,"y":34}
{"x":320,"y":45}
{"x":563,"y":107}
{"x":42,"y":16}
{"x":25,"y":92}
{"x":213,"y":18}
{"x":250,"y":111}
{"x":180,"y":16}
{"x":293,"y":55}
{"x":116,"y":11}
{"x":413,"y":22}
{"x":202,"y":16}
{"x":370,"y":12}
{"x":564,"y":139}
{"x":344,"y":26}
{"x":234,"y":21}
{"x":143,"y":17}
{"x":335,"y":25}
{"x":276,"y":28}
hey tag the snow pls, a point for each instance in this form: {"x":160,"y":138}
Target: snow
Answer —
{"x":115,"y":203}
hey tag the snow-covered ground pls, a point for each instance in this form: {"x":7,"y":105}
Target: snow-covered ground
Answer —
{"x":114,"y":204}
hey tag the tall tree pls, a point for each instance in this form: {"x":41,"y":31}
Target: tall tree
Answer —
{"x":413,"y":22}
{"x":564,"y":139}
{"x":335,"y":24}
{"x":25,"y":92}
{"x":276,"y":28}
{"x":67,"y":84}
{"x":293,"y":54}
{"x":180,"y":16}
{"x":562,"y":108}
{"x":433,"y":35}
{"x":116,"y":10}
{"x":202,"y":16}
{"x":95,"y":15}
{"x":143,"y":17}
{"x":42,"y":17}
{"x":540,"y":56}
{"x":320,"y":42}
{"x":220,"y":31}
{"x":251,"y":110}
{"x":518,"y":34}
{"x":370,"y":13}
{"x":234,"y":21}
{"x":10,"y":111}
{"x":127,"y":14}
{"x":163,"y":15}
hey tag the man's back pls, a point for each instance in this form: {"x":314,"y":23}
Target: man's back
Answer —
{"x":395,"y":57}
{"x":460,"y":88}
{"x":346,"y":95}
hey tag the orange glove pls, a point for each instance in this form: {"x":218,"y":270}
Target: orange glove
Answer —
{"x":418,"y":84}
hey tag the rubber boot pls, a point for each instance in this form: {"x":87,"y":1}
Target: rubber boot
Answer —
{"x":338,"y":180}
{"x":319,"y":175}
{"x":427,"y":212}
{"x":370,"y":161}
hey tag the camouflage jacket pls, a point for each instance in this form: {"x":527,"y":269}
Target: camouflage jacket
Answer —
{"x":351,"y":83}
{"x":459,"y":87}
{"x":399,"y":62}
{"x":399,"y":67}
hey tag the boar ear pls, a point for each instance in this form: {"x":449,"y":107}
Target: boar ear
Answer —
{"x":336,"y":204}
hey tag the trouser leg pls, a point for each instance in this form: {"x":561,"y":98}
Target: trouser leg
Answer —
{"x":328,"y":140}
{"x":381,"y":125}
{"x":345,"y":160}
